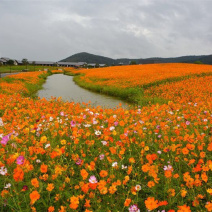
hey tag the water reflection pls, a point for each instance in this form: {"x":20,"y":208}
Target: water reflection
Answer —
{"x":59,"y":85}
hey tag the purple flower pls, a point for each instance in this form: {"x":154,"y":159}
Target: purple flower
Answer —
{"x":73,"y":123}
{"x":168,"y":168}
{"x":116,"y":123}
{"x":158,"y":127}
{"x":20,"y":160}
{"x":101,"y":157}
{"x":159,"y":152}
{"x":25,"y":188}
{"x":79,"y":161}
{"x":187,"y":122}
{"x":93,"y":179}
{"x":5,"y":139}
{"x":134,"y":208}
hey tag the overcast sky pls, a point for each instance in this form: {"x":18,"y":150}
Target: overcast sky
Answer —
{"x":52,"y":30}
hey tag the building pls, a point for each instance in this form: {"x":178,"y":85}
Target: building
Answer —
{"x":102,"y":65}
{"x":4,"y":60}
{"x":71,"y":64}
{"x":91,"y":65}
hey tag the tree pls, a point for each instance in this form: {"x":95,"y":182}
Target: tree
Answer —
{"x":197,"y":62}
{"x":133,"y":62}
{"x":25,"y":62}
{"x":10,"y":63}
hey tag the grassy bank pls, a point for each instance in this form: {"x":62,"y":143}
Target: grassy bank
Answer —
{"x":19,"y":68}
{"x":26,"y":84}
{"x":135,"y":95}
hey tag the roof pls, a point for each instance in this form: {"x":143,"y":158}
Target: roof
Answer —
{"x":5,"y":58}
{"x":91,"y":64}
{"x":71,"y":63}
{"x":18,"y":61}
{"x":44,"y":62}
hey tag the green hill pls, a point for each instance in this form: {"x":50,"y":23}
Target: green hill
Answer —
{"x":91,"y":58}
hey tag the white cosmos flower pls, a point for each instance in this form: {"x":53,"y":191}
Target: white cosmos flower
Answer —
{"x":104,"y":142}
{"x":47,"y":145}
{"x":8,"y":185}
{"x":137,"y":187}
{"x":124,"y":167}
{"x":97,"y":132}
{"x":115,"y":164}
{"x":112,"y":128}
{"x":3,"y":170}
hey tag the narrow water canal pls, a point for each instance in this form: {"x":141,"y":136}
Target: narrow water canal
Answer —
{"x":59,"y":85}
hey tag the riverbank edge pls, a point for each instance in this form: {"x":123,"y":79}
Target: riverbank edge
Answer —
{"x":31,"y":88}
{"x":132,"y":95}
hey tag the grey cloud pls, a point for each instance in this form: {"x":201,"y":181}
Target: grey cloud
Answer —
{"x":53,"y":30}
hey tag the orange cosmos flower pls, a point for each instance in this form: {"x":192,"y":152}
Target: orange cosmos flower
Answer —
{"x":209,"y":206}
{"x":34,"y":196}
{"x":184,"y":208}
{"x":50,"y":187}
{"x":74,"y":202}
{"x":51,"y":209}
{"x":87,"y":203}
{"x":112,"y":189}
{"x":151,"y":203}
{"x":18,"y":174}
{"x":146,"y":168}
{"x":183,"y":192}
{"x":171,"y":192}
{"x":43,"y":168}
{"x":103,"y":190}
{"x":127,"y":202}
{"x":84,"y":174}
{"x":150,"y":184}
{"x":103,"y":173}
{"x":4,"y":193}
{"x":185,"y":151}
{"x":168,"y":174}
{"x":35,"y":182}
{"x":161,"y":203}
{"x":62,"y":209}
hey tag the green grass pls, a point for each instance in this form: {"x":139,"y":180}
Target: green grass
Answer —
{"x":134,"y":95}
{"x":19,"y":68}
{"x":33,"y":88}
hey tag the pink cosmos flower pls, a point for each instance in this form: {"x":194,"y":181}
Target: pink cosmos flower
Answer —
{"x":93,"y":179}
{"x":5,"y":139}
{"x":79,"y":161}
{"x":134,"y":208}
{"x":101,"y":157}
{"x":20,"y":160}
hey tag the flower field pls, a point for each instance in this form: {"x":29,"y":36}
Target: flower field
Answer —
{"x":61,"y":156}
{"x":141,"y":75}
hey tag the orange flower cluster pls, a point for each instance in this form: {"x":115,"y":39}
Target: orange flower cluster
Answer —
{"x":190,"y":90}
{"x":139,"y":75}
{"x":60,"y":156}
{"x":17,"y":83}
